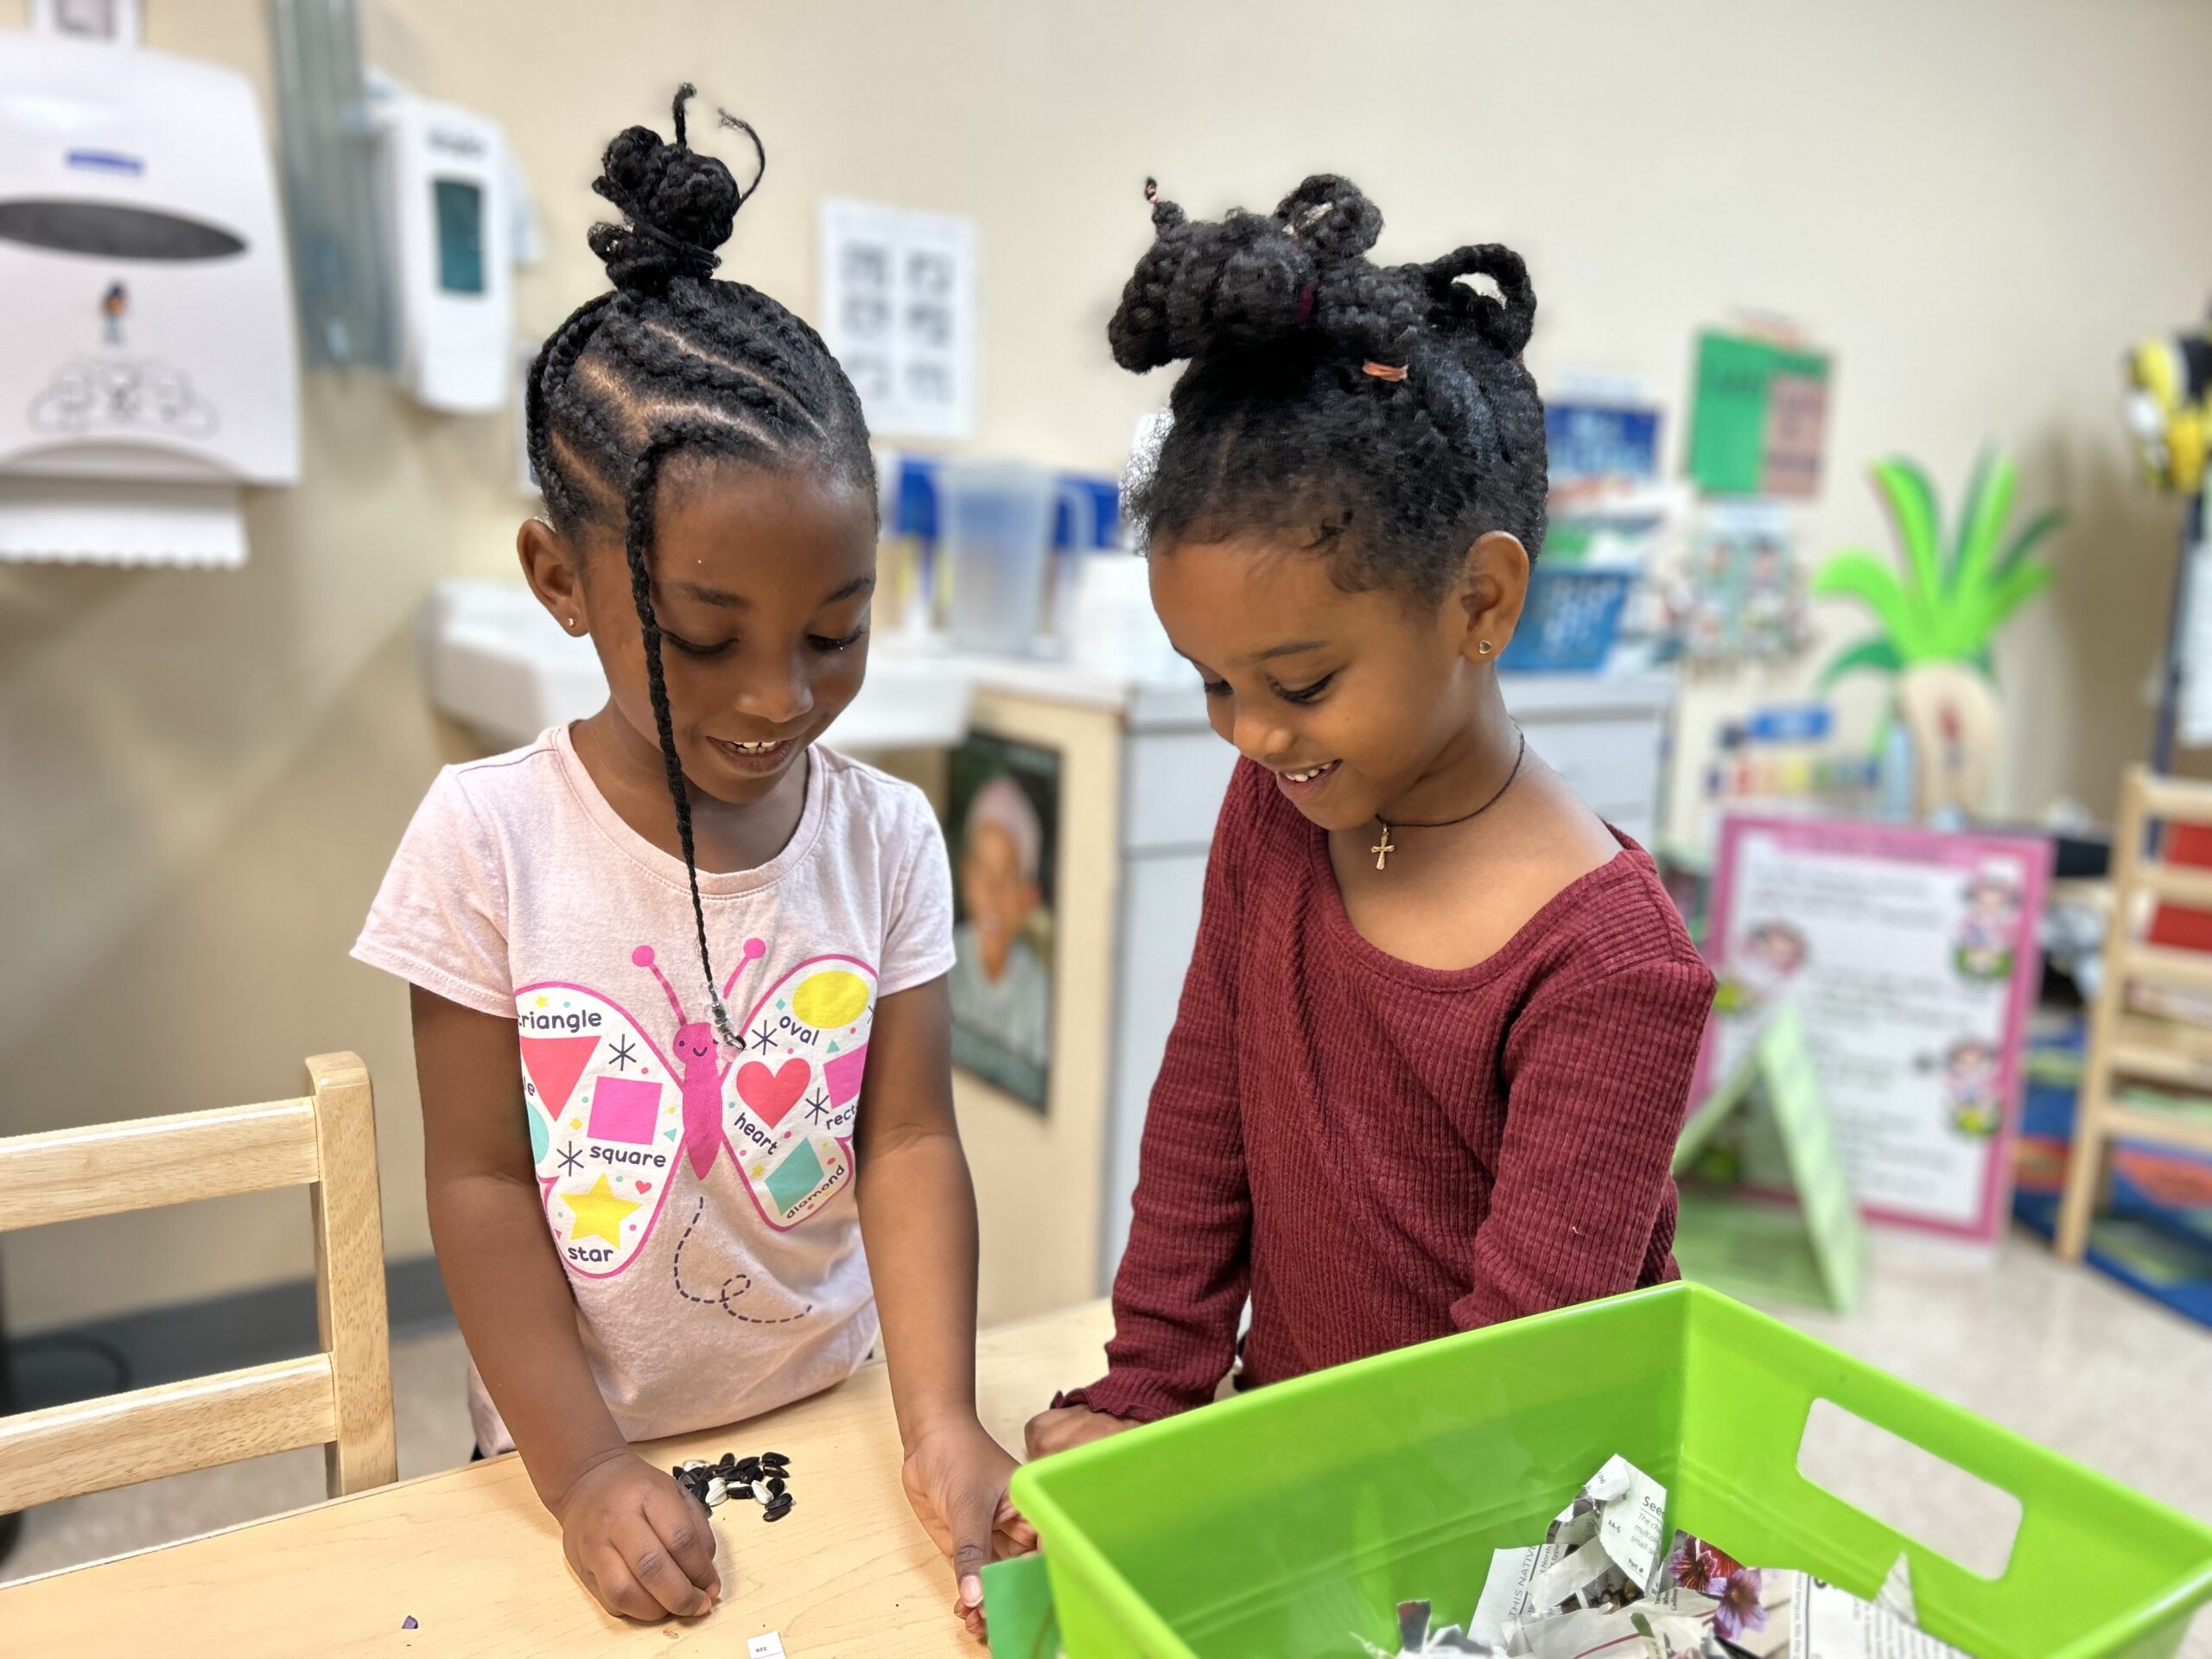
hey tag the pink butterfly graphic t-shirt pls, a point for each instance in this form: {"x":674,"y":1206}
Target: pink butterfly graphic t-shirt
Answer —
{"x":701,"y":1200}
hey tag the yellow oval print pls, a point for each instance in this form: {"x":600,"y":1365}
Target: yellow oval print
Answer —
{"x":831,"y":999}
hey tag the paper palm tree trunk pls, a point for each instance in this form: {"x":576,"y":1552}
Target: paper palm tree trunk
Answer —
{"x":1951,"y":711}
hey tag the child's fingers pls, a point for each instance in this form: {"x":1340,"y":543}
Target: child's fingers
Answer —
{"x":617,"y":1592}
{"x":1058,"y":1429}
{"x":972,"y":1618}
{"x":681,"y":1521}
{"x":970,"y":1516}
{"x":654,"y":1568}
{"x":1037,"y":1435}
{"x":1015,"y":1536}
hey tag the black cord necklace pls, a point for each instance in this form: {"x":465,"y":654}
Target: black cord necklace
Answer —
{"x":1384,"y":847}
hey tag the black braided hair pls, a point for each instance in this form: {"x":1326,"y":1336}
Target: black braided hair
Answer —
{"x":1281,"y":421}
{"x":672,"y":361}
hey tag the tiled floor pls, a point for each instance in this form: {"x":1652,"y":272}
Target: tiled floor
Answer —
{"x":2067,"y":1358}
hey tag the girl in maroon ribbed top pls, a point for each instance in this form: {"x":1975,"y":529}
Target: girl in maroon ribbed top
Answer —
{"x":1436,"y":1039}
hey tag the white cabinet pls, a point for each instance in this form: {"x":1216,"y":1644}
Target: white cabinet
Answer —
{"x":1171,"y":786}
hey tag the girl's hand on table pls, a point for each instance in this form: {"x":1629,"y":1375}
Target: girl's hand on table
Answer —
{"x":956,"y":1478}
{"x":639,"y":1542}
{"x":1063,"y":1427}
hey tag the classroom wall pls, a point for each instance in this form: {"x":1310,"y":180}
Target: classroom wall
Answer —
{"x":1975,"y":205}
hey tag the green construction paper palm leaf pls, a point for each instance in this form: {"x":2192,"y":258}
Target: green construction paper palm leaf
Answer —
{"x":1858,"y":574}
{"x":1931,"y":605}
{"x":2023,"y":543}
{"x":1913,"y":515}
{"x":1877,"y":652}
{"x":2015,"y":589}
{"x":1975,"y":485}
{"x":1981,"y":522}
{"x":1979,"y":618}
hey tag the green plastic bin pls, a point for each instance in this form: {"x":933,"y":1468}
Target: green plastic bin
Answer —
{"x":1280,"y":1522}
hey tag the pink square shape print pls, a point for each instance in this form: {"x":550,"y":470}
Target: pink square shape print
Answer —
{"x":622,"y":1110}
{"x":842,"y":1073}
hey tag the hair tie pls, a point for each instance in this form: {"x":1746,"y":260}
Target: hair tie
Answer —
{"x":1304,"y":305}
{"x":1383,"y":371}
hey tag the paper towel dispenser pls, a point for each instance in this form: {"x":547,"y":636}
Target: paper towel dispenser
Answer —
{"x":148,"y":364}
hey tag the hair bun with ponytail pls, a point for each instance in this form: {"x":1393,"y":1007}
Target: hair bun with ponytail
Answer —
{"x":1505,"y":319}
{"x":678,"y":205}
{"x":1242,"y":282}
{"x":1381,"y":412}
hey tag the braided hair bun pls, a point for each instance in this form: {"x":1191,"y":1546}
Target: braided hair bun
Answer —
{"x":678,"y":205}
{"x":1383,"y":411}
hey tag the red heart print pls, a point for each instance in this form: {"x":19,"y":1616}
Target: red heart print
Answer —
{"x":771,"y":1093}
{"x":644,"y":1186}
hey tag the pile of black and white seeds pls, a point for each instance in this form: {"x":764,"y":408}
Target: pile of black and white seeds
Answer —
{"x":765,"y":1479}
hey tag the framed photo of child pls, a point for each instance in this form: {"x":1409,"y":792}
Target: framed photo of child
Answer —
{"x":1004,"y":831}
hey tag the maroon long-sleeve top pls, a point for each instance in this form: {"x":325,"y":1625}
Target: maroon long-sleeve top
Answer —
{"x":1379,"y":1152}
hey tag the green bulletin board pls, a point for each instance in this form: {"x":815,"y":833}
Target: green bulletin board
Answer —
{"x":1760,"y":417}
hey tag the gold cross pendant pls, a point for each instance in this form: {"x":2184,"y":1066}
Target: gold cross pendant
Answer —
{"x":1382,"y":848}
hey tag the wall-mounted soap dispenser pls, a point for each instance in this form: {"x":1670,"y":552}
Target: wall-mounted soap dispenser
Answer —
{"x":446,"y":181}
{"x":408,"y":218}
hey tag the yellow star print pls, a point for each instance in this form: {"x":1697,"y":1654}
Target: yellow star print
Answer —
{"x":599,"y":1213}
{"x":541,"y":1001}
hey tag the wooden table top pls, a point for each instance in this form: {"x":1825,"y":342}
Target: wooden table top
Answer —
{"x":476,"y":1561}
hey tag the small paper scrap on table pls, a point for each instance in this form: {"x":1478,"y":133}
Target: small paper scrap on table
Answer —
{"x":1608,"y":1578}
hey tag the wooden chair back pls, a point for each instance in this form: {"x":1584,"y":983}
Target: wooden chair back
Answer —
{"x":2126,"y":1046}
{"x":339,"y":1398}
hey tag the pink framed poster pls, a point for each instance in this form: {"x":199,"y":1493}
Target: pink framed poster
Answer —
{"x":1911,"y":958}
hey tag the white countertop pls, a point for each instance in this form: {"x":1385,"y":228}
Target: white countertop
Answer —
{"x":1170,"y":698}
{"x":494,"y":660}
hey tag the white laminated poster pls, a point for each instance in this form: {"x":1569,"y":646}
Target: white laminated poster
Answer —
{"x":1912,"y":958}
{"x":898,"y":297}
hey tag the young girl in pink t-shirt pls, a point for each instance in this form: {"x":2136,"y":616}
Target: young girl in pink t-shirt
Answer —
{"x":679,"y":1066}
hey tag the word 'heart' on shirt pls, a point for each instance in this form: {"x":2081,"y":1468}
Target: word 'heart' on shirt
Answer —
{"x":771,"y":1093}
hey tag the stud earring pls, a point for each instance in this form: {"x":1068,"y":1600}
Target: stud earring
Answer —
{"x":1485,"y":647}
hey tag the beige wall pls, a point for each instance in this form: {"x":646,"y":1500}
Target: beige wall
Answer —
{"x":1975,"y":204}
